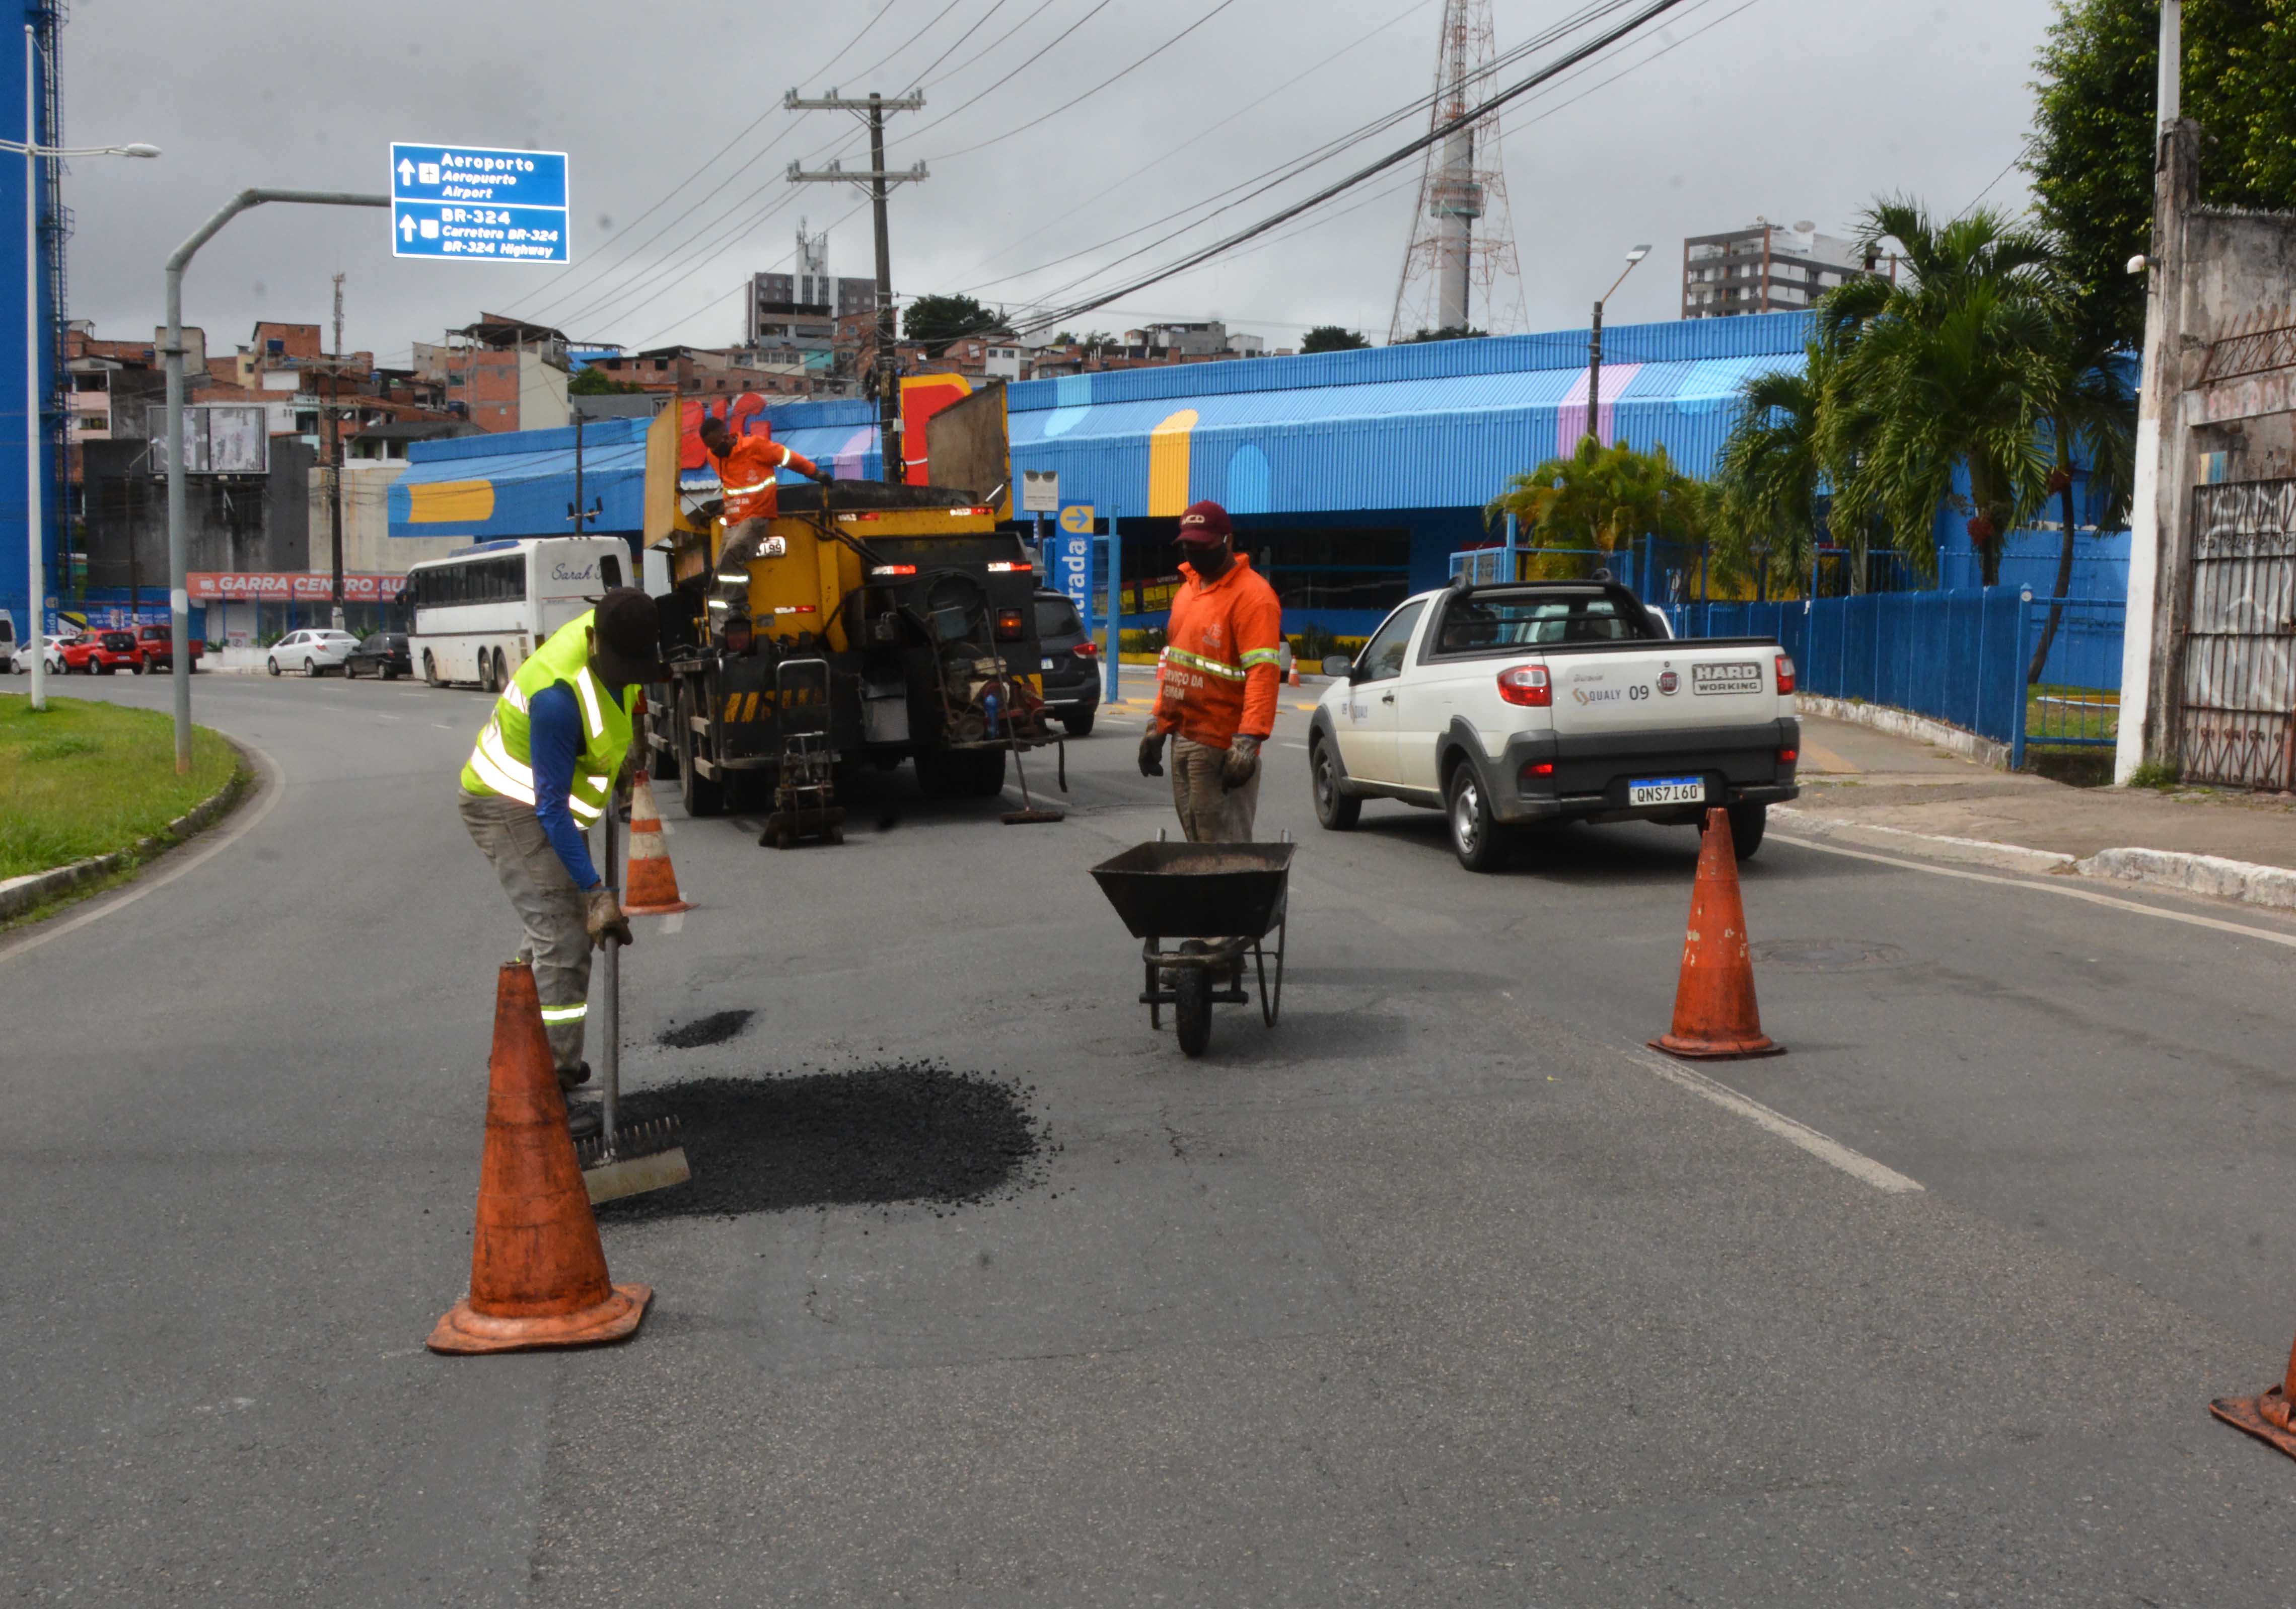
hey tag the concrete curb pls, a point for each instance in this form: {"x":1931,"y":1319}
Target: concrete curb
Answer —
{"x":1972,"y":851}
{"x":1904,"y":723}
{"x":20,"y":894}
{"x":2245,"y":880}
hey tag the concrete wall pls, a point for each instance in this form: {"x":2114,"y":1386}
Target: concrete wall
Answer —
{"x":234,"y":522}
{"x":368,"y":547}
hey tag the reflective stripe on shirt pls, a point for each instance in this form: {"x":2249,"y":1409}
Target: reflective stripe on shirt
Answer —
{"x":1261,"y":656}
{"x":1219,"y":668}
{"x":565,"y":1013}
{"x":588,"y":689}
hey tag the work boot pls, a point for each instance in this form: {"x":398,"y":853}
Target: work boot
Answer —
{"x":573,"y":1077}
{"x":583,"y":1118}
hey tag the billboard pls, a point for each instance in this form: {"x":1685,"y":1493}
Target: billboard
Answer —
{"x":219,"y":439}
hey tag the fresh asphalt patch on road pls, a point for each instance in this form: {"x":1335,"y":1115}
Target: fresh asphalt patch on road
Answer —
{"x":714,"y":1029}
{"x":873,"y":1136}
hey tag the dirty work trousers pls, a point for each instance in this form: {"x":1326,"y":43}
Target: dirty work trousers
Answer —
{"x":549,"y":907}
{"x":1210,"y":812}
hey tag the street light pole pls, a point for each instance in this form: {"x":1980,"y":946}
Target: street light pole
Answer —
{"x":1594,"y":347}
{"x":178,"y":541}
{"x":35,"y":516}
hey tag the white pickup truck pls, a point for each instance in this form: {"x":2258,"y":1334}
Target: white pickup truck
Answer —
{"x":1535,"y":701}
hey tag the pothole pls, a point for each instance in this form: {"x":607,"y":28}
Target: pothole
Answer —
{"x":1827,"y":955}
{"x":875,"y":1135}
{"x":714,"y":1028}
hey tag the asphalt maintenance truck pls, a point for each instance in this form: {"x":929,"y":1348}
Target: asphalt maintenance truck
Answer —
{"x":875,"y":623}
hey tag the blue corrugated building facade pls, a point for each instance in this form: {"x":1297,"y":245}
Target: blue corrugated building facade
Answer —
{"x":15,"y":596}
{"x":1352,"y":476}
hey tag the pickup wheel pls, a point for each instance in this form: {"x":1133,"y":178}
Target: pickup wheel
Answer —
{"x":1336,"y":810}
{"x":1748,"y":822}
{"x":1479,"y":841}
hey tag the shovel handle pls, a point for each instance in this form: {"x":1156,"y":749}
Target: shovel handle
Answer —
{"x":609,"y":1009}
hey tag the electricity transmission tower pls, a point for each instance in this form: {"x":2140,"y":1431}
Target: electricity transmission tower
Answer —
{"x":876,"y":180}
{"x":1461,"y":183}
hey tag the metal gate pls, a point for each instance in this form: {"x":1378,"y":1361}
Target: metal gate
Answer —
{"x":2238,"y":724}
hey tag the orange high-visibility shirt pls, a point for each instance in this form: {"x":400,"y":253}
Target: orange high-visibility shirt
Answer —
{"x":1218,"y":673}
{"x":747,"y":474}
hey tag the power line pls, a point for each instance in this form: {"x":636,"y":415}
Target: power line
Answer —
{"x":663,"y":200}
{"x":1170,"y":151}
{"x":992,"y":87}
{"x":1046,"y":116}
{"x":1474,"y":115}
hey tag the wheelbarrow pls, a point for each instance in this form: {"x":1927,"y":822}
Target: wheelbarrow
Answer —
{"x":1221,"y":900}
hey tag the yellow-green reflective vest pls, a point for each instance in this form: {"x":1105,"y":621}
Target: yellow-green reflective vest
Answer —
{"x":502,"y":762}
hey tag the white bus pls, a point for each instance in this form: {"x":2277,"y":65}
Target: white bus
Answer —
{"x":476,"y":615}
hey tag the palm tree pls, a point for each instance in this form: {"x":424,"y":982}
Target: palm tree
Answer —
{"x":2091,"y":408}
{"x":1771,"y":475}
{"x":1947,"y":369}
{"x":1602,"y":498}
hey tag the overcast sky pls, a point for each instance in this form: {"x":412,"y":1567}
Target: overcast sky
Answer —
{"x":1790,"y":109}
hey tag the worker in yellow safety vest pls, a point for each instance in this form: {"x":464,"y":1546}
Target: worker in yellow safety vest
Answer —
{"x":541,"y":776}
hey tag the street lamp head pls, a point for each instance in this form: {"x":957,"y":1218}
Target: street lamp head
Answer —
{"x":1638,"y":254}
{"x":139,"y":148}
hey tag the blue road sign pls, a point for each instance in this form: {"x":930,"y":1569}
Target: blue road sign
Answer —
{"x":478,"y":205}
{"x":1072,"y":556}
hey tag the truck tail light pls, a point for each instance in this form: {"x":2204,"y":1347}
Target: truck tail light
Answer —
{"x":1539,"y":768}
{"x":1527,"y":685}
{"x":1012,"y":625}
{"x":1086,"y":650}
{"x":1787,"y":756}
{"x":1785,"y":675}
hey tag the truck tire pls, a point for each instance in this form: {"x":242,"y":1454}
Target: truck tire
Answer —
{"x":1337,"y":811}
{"x":1748,"y":822}
{"x":429,"y":670}
{"x":985,"y":773}
{"x":1477,"y":839}
{"x":705,"y":796}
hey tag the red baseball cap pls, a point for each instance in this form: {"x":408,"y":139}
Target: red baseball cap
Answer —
{"x":1204,"y":522}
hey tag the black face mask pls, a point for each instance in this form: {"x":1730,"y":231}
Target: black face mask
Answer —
{"x":1221,"y":556}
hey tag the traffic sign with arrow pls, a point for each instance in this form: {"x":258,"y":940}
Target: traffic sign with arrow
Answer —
{"x":478,"y":204}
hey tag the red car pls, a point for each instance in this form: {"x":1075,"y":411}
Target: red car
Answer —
{"x":105,"y":651}
{"x":156,"y":645}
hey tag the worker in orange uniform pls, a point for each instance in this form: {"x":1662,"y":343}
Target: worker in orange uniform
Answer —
{"x":1216,"y":682}
{"x":746,"y":471}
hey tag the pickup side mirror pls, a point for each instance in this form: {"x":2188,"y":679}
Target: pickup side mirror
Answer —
{"x":1338,"y":664}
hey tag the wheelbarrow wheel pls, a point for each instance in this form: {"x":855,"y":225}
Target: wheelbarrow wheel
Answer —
{"x":1192,"y":1002}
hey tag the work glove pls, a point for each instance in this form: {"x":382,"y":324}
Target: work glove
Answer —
{"x":603,"y":919}
{"x":1151,"y":753}
{"x":823,"y":476}
{"x":1242,"y":762}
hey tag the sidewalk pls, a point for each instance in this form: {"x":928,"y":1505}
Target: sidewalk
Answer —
{"x":1869,"y":786}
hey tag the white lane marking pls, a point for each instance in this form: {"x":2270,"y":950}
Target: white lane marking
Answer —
{"x":442,"y":725}
{"x":390,"y":718}
{"x":1832,"y":1152}
{"x":272,"y":785}
{"x":2054,"y":886}
{"x":1289,"y":746}
{"x":672,"y":923}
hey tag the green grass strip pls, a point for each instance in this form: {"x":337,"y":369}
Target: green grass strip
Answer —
{"x":82,"y":778}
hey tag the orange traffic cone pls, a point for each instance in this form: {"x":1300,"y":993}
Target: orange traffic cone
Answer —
{"x":1714,"y":1011}
{"x":537,"y":1270}
{"x":649,"y":884}
{"x":2265,"y":1418}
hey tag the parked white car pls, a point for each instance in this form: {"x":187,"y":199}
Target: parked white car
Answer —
{"x":1553,"y":700}
{"x":52,"y":648}
{"x":312,"y":652}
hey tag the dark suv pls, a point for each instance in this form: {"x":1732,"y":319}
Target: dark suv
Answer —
{"x":1071,"y":664}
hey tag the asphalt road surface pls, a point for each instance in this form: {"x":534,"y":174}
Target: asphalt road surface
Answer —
{"x":1443,"y":1291}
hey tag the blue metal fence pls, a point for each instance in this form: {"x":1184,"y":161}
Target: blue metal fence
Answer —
{"x":1957,"y":656}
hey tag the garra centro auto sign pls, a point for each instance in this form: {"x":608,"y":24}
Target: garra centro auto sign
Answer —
{"x":1738,"y":676}
{"x":298,"y":587}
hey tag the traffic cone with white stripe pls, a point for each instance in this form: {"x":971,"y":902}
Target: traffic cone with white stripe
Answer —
{"x":649,"y":885}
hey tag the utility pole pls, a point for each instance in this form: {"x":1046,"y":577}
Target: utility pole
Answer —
{"x":1594,"y":347}
{"x":335,"y":454}
{"x":877,"y":180}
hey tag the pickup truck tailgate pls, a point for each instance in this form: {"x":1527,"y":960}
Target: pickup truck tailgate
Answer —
{"x":1666,"y":687}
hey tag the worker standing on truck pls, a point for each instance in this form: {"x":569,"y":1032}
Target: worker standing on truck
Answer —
{"x":541,"y":776}
{"x":1216,"y":682}
{"x":746,"y":471}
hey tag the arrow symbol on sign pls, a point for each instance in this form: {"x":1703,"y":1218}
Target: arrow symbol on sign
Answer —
{"x":405,"y":226}
{"x":406,"y":171}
